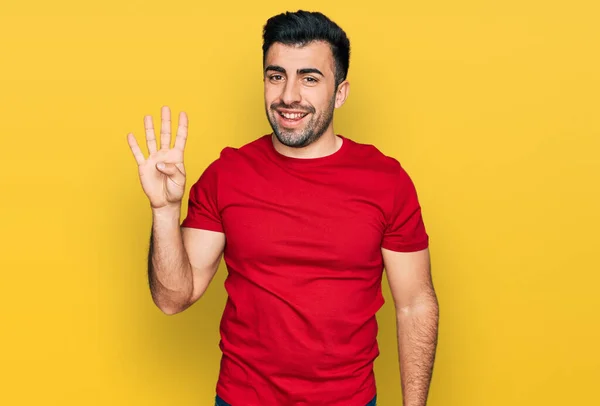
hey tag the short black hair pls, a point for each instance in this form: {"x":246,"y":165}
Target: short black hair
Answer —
{"x":303,"y":27}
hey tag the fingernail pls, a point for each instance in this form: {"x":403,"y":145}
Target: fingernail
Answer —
{"x":161,"y":165}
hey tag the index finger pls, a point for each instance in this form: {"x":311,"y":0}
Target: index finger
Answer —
{"x":182,"y":132}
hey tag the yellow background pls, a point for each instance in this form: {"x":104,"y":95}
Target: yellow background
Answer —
{"x":491,"y":106}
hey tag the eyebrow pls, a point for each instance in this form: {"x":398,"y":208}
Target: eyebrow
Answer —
{"x":304,"y":71}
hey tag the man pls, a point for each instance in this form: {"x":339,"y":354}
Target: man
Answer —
{"x":307,"y":220}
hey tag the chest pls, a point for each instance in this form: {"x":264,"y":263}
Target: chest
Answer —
{"x":315,"y":224}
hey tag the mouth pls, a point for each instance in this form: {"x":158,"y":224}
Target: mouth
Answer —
{"x":291,"y":119}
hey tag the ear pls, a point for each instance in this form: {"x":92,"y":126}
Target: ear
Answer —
{"x":342,"y":93}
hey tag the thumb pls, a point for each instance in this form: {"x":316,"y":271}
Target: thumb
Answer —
{"x":171,"y":170}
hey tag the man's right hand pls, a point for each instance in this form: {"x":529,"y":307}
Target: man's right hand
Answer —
{"x":162,"y":174}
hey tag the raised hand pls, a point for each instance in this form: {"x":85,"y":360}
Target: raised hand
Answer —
{"x":162,"y":174}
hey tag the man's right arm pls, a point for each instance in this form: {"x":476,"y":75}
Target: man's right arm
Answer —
{"x":182,"y":261}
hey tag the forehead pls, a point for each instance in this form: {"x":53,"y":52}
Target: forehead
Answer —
{"x":316,"y":54}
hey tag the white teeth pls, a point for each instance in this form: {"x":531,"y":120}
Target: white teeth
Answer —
{"x":292,"y":116}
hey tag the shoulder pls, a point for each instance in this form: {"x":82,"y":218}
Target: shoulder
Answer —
{"x":371,"y":157}
{"x":238,"y":155}
{"x":231,"y":158}
{"x":229,"y":166}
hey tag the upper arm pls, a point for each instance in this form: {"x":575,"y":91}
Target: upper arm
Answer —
{"x":409,"y":277}
{"x":202,"y":229}
{"x":204,"y":249}
{"x":405,"y":245}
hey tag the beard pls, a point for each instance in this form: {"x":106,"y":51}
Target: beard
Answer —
{"x":312,"y":131}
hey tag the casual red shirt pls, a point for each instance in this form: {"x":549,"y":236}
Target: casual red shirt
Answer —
{"x":303,"y":253}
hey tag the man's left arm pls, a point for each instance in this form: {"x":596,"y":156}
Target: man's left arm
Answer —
{"x":417,"y":316}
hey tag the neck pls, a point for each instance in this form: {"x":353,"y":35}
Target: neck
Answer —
{"x":327,"y":144}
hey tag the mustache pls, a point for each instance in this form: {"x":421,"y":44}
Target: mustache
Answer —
{"x":305,"y":109}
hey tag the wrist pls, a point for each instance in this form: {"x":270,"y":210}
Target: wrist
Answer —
{"x":170,"y":211}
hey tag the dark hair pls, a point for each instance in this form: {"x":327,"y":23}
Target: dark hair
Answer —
{"x":301,"y":28}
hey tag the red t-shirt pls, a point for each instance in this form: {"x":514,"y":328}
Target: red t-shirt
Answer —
{"x":303,"y":253}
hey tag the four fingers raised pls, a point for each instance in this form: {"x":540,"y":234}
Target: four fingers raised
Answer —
{"x":165,"y":135}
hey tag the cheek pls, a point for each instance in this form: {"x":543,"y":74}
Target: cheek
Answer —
{"x":321,"y":101}
{"x":272,"y":93}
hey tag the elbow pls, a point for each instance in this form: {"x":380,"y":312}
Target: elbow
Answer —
{"x":170,"y":310}
{"x":170,"y":301}
{"x":170,"y":307}
{"x":423,"y":306}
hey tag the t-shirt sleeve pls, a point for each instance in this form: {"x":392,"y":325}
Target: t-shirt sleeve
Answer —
{"x":203,"y":206}
{"x":405,"y":229}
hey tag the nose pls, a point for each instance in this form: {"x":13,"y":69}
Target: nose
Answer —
{"x":291,"y":93}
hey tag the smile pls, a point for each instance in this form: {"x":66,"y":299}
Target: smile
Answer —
{"x":292,"y":116}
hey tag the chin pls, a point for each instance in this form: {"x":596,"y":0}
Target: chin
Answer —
{"x":291,"y":140}
{"x":295,"y":139}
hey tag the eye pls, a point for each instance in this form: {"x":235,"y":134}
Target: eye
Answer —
{"x":310,"y":79}
{"x":276,"y":78}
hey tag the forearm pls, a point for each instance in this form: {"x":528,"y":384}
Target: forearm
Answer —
{"x":417,"y":341}
{"x":169,"y":271}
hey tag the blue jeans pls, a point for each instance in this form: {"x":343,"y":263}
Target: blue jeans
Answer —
{"x":221,"y":402}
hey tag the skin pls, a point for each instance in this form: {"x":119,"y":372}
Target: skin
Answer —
{"x":291,"y":84}
{"x":302,"y":80}
{"x":417,"y":319}
{"x":183,"y":261}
